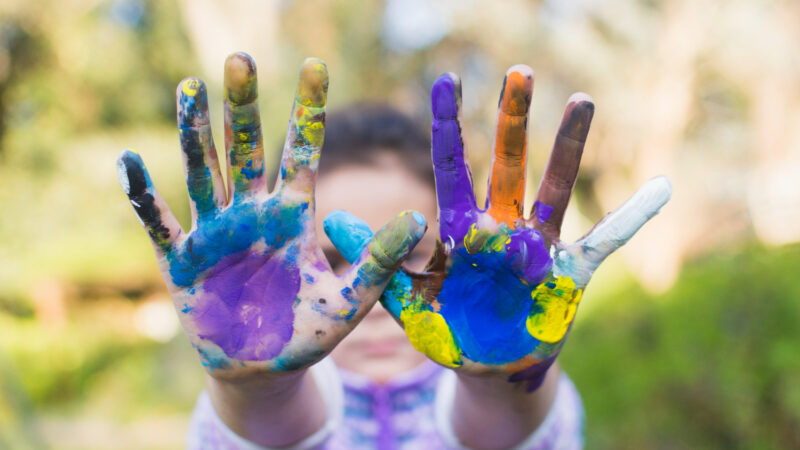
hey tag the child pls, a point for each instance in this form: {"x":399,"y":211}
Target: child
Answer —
{"x":261,"y":304}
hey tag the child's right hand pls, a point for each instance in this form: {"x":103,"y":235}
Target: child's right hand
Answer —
{"x":252,"y":287}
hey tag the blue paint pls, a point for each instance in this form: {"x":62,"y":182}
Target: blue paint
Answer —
{"x":542,"y":211}
{"x":249,"y":172}
{"x":233,"y":230}
{"x":397,"y":293}
{"x":213,"y":359}
{"x":486,"y":306}
{"x":419,"y":218}
{"x":349,"y":234}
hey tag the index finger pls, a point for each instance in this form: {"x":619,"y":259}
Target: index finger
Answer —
{"x":453,"y":178}
{"x":306,"y":128}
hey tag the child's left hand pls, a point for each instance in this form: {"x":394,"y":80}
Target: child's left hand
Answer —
{"x":499,"y":295}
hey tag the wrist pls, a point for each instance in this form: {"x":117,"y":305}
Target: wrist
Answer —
{"x":491,"y":412}
{"x":270,"y":410}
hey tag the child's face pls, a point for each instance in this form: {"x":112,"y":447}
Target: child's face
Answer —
{"x":378,"y":347}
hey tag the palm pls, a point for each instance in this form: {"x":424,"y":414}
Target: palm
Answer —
{"x":250,"y":282}
{"x":500,"y":293}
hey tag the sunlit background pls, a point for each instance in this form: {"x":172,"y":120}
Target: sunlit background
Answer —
{"x":688,"y":338}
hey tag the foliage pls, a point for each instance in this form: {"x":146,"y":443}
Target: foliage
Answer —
{"x":712,"y":363}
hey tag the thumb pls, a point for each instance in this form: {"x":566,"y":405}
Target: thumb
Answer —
{"x":348,"y":233}
{"x":381,"y":257}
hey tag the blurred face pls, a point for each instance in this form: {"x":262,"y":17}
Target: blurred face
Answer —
{"x":377,"y":347}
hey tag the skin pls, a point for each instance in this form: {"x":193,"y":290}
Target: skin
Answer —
{"x":251,"y":267}
{"x":253,"y":289}
{"x":498,"y":297}
{"x":377,"y":348}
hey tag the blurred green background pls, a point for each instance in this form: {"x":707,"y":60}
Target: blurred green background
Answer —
{"x":688,"y":338}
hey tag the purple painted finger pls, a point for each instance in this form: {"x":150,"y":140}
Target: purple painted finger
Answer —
{"x":454,"y":192}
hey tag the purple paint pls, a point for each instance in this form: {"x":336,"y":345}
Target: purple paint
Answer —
{"x":457,"y":210}
{"x":235,"y":314}
{"x":534,"y":375}
{"x":527,"y":255}
{"x":542,"y":211}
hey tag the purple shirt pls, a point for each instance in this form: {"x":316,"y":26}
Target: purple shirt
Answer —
{"x":411,"y":411}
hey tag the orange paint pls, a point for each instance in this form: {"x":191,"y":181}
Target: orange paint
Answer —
{"x":507,"y":181}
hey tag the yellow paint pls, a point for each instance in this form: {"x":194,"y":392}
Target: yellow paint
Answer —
{"x":429,"y":333}
{"x":556,"y":304}
{"x":314,"y":133}
{"x":190,"y":87}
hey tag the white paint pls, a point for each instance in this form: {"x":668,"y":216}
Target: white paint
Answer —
{"x":619,"y":226}
{"x":579,"y":260}
{"x":122,"y":174}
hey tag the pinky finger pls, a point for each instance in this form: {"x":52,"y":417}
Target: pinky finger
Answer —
{"x":152,"y":211}
{"x":619,"y":226}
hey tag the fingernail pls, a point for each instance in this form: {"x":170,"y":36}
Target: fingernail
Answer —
{"x":192,"y":102}
{"x":515,"y":96}
{"x":312,"y":89}
{"x":446,"y":96}
{"x":419,"y":218}
{"x":241,"y":86}
{"x":578,"y":117}
{"x":132,"y":176}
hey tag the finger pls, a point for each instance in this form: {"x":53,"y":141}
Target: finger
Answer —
{"x":206,"y":191}
{"x":376,"y":264}
{"x":153,"y":212}
{"x":457,"y":208}
{"x":619,"y":226}
{"x":350,"y":235}
{"x":507,"y":179}
{"x":306,"y":128}
{"x":559,"y":176}
{"x":243,"y":140}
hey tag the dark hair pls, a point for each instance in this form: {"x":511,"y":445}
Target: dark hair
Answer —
{"x":354,"y":133}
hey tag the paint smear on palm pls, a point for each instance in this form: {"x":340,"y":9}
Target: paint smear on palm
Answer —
{"x":554,"y":308}
{"x":495,"y":282}
{"x":428,"y":332}
{"x":486,"y":296}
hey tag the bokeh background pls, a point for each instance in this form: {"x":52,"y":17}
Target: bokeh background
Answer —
{"x":688,"y":338}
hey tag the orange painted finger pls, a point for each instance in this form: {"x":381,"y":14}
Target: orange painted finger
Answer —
{"x":507,"y":179}
{"x":559,"y":176}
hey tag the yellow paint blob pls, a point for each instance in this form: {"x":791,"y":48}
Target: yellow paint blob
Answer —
{"x":314,"y":133}
{"x":554,"y":308}
{"x":429,"y":333}
{"x":190,"y":87}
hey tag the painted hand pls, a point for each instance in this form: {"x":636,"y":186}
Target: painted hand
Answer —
{"x":252,"y":287}
{"x":500,"y":293}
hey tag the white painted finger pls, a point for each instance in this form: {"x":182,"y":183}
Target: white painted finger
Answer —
{"x":618,"y":227}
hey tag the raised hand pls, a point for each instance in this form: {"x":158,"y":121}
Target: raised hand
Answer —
{"x":500,"y":293}
{"x":252,"y":287}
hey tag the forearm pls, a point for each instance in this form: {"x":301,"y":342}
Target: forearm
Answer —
{"x":490,"y":413}
{"x":272,"y":411}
